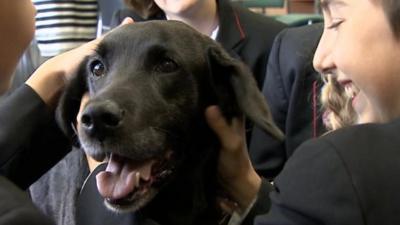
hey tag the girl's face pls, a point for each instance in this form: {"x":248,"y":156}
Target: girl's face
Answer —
{"x":178,"y":6}
{"x":359,"y":48}
{"x":17,"y":22}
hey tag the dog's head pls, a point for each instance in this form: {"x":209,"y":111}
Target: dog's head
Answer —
{"x":149,"y":84}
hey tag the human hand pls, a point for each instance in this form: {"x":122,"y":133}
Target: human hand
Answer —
{"x":50,"y":78}
{"x":235,"y":171}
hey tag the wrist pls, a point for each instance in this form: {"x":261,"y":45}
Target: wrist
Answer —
{"x":48,"y":82}
{"x":245,"y":189}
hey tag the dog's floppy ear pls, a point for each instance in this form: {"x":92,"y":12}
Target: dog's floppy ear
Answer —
{"x":232,"y":80}
{"x":68,"y":106}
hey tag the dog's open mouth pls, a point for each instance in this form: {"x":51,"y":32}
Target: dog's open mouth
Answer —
{"x":128,"y":185}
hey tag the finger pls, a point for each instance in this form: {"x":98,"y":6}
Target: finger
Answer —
{"x":225,"y":132}
{"x":127,"y":20}
{"x":216,"y":121}
{"x":227,"y":205}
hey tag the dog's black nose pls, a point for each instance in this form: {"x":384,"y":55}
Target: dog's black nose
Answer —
{"x":100,"y":118}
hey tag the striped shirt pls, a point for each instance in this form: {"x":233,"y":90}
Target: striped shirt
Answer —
{"x":62,"y":25}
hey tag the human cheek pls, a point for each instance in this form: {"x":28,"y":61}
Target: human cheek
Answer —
{"x":161,"y":4}
{"x":346,"y":58}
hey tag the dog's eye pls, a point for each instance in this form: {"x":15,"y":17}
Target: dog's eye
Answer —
{"x":166,"y":66}
{"x":97,"y":68}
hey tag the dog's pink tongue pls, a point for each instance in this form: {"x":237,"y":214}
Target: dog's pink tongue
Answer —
{"x":120,"y":177}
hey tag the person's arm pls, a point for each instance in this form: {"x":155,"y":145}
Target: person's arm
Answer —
{"x":235,"y":171}
{"x":30,"y":140}
{"x":236,"y":174}
{"x":314,"y":187}
{"x":49,"y":80}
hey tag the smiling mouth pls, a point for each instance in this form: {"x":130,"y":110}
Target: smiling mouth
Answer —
{"x":350,"y":89}
{"x":127,"y":185}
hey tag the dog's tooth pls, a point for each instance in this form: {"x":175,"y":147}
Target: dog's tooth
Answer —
{"x":137,"y":179}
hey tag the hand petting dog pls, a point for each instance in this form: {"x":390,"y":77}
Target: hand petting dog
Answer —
{"x":50,"y":79}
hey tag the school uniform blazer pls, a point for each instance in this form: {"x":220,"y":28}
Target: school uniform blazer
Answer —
{"x":16,"y":207}
{"x":347,"y":177}
{"x":244,"y":34}
{"x":291,"y":89}
{"x":30,"y":141}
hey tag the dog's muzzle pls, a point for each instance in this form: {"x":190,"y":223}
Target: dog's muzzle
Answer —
{"x":127,"y":184}
{"x":99,"y":119}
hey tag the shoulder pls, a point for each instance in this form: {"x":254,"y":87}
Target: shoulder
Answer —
{"x":255,"y":22}
{"x":359,"y":161}
{"x":291,"y":58}
{"x":292,"y":53}
{"x":359,"y":149}
{"x":251,"y":18}
{"x":301,"y":39}
{"x":364,"y":137}
{"x":250,"y":21}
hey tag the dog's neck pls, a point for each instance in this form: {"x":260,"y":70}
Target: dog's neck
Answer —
{"x":191,"y":197}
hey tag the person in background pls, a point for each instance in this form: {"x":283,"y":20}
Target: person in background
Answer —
{"x":64,"y":25}
{"x":291,"y":88}
{"x":244,"y":34}
{"x":347,"y":176}
{"x":60,"y":26}
{"x":21,"y":114}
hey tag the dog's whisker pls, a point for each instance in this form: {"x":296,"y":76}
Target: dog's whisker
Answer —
{"x":137,"y":179}
{"x":74,"y":129}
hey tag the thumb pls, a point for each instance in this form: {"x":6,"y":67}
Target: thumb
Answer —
{"x":225,"y":132}
{"x":127,"y":20}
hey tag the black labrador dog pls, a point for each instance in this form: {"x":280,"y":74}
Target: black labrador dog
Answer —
{"x":149,"y":85}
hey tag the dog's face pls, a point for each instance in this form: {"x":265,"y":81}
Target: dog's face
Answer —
{"x":149,"y":84}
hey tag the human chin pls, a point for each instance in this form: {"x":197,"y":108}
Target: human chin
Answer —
{"x":366,"y":113}
{"x":179,"y":7}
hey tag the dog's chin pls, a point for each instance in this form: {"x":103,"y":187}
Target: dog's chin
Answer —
{"x":133,"y":203}
{"x":128,"y":185}
{"x":145,"y":189}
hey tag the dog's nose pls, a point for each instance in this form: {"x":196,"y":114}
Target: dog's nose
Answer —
{"x":100,"y":118}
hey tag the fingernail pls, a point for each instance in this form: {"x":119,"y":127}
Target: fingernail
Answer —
{"x":127,"y":20}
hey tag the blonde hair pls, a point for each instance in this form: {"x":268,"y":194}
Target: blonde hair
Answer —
{"x":336,"y":105}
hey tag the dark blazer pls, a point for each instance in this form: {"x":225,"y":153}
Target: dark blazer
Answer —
{"x":291,"y":89}
{"x":350,"y":176}
{"x":30,"y":144}
{"x":16,"y":207}
{"x":30,"y":141}
{"x":244,"y":34}
{"x":55,"y":193}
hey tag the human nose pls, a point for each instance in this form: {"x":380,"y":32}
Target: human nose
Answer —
{"x":323,"y":61}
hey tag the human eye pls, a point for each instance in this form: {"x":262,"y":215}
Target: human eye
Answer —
{"x":335,"y":23}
